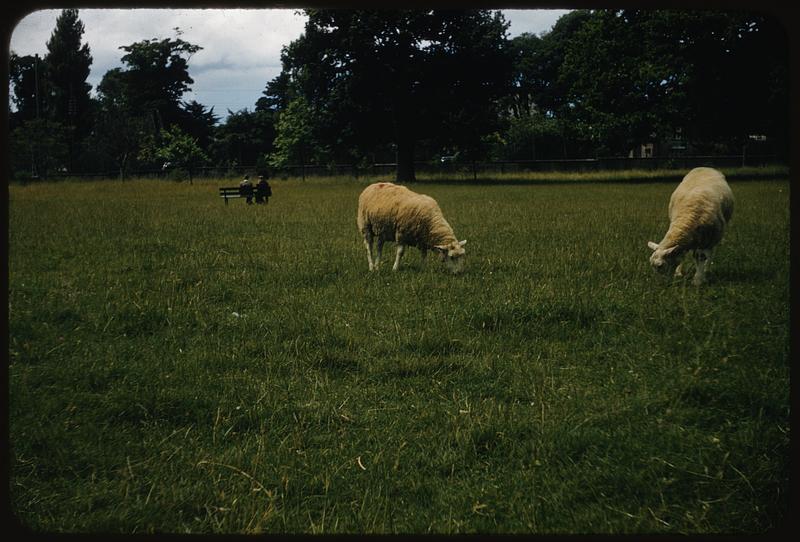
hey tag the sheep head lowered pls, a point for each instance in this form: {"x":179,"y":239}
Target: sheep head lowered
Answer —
{"x":664,"y":260}
{"x":453,"y":255}
{"x":393,"y":213}
{"x":699,"y":209}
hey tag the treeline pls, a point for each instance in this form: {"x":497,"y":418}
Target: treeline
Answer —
{"x":363,"y":87}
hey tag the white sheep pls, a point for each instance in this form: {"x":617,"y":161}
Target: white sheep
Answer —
{"x":388,"y":212}
{"x":699,"y":209}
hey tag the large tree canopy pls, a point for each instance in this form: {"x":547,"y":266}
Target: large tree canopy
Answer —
{"x":718,"y":76}
{"x":373,"y":78}
{"x":245,"y":138}
{"x":156,"y":78}
{"x":368,"y":86}
{"x":52,"y":97}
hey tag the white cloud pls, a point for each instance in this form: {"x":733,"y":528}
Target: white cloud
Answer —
{"x":241,"y":47}
{"x":534,"y":21}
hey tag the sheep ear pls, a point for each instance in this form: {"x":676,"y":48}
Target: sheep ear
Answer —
{"x":670,"y":250}
{"x":652,"y":245}
{"x":462,"y":243}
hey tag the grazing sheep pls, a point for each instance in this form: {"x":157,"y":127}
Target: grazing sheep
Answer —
{"x":699,"y":209}
{"x":388,"y":212}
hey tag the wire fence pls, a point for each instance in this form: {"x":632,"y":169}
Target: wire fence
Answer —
{"x":460,"y":168}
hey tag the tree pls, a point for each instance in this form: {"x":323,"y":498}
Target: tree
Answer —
{"x":614,"y":89}
{"x":244,"y":137}
{"x":67,"y":65}
{"x":198,"y":122}
{"x":176,"y":148}
{"x":735,"y":77}
{"x":23,"y":77}
{"x":295,"y":143}
{"x":628,"y":75}
{"x":277,"y":94}
{"x":375,"y":78}
{"x":527,"y":57}
{"x":156,"y":78}
{"x":39,"y":148}
{"x":533,"y":137}
{"x":113,"y":90}
{"x":118,"y":134}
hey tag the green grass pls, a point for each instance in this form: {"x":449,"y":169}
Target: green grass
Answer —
{"x":465,"y":174}
{"x":179,"y":365}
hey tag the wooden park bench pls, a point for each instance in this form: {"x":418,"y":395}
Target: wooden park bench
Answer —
{"x":235,"y":192}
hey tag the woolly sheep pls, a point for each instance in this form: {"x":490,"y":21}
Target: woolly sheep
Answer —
{"x":699,"y":209}
{"x":388,"y":212}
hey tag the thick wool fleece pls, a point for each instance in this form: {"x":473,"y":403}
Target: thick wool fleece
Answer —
{"x":395,"y":213}
{"x":699,"y":209}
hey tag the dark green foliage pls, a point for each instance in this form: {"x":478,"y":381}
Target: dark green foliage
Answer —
{"x":53,"y":109}
{"x":370,"y":79}
{"x":156,"y":78}
{"x":175,"y":149}
{"x":118,"y":136}
{"x":244,"y":138}
{"x":22,"y":76}
{"x":363,"y":87}
{"x":631,"y":73}
{"x":198,"y":122}
{"x":40,"y":147}
{"x":67,"y":64}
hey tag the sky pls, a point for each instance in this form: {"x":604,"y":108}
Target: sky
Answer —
{"x":241,"y":47}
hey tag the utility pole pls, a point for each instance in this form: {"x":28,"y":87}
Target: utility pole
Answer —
{"x":34,"y":172}
{"x":36,"y":82}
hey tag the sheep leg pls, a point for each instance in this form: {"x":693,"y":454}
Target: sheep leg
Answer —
{"x":380,"y":251}
{"x":400,"y":250}
{"x":423,"y":252}
{"x":368,"y":241}
{"x":702,"y":260}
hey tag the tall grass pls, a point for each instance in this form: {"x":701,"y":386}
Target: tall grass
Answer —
{"x":467,"y":174}
{"x":179,"y":365}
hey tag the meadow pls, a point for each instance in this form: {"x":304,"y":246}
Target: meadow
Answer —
{"x":177,"y":365}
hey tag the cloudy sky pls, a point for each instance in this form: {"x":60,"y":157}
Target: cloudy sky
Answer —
{"x":241,"y":47}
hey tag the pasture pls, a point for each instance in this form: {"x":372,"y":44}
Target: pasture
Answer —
{"x":177,"y":365}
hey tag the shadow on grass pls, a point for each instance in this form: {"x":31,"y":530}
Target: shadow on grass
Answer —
{"x":336,"y":363}
{"x":433,"y":346}
{"x":560,"y":321}
{"x":412,"y":367}
{"x":719,"y":276}
{"x":739,"y":275}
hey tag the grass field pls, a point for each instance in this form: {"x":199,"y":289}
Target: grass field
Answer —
{"x":177,"y":365}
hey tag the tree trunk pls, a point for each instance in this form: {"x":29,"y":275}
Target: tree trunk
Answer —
{"x":122,"y":166}
{"x":405,"y":160}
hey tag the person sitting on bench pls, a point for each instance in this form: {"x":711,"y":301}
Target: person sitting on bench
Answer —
{"x":263,"y":190}
{"x":246,"y":189}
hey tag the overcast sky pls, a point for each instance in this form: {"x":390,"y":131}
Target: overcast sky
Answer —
{"x":241,"y":47}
